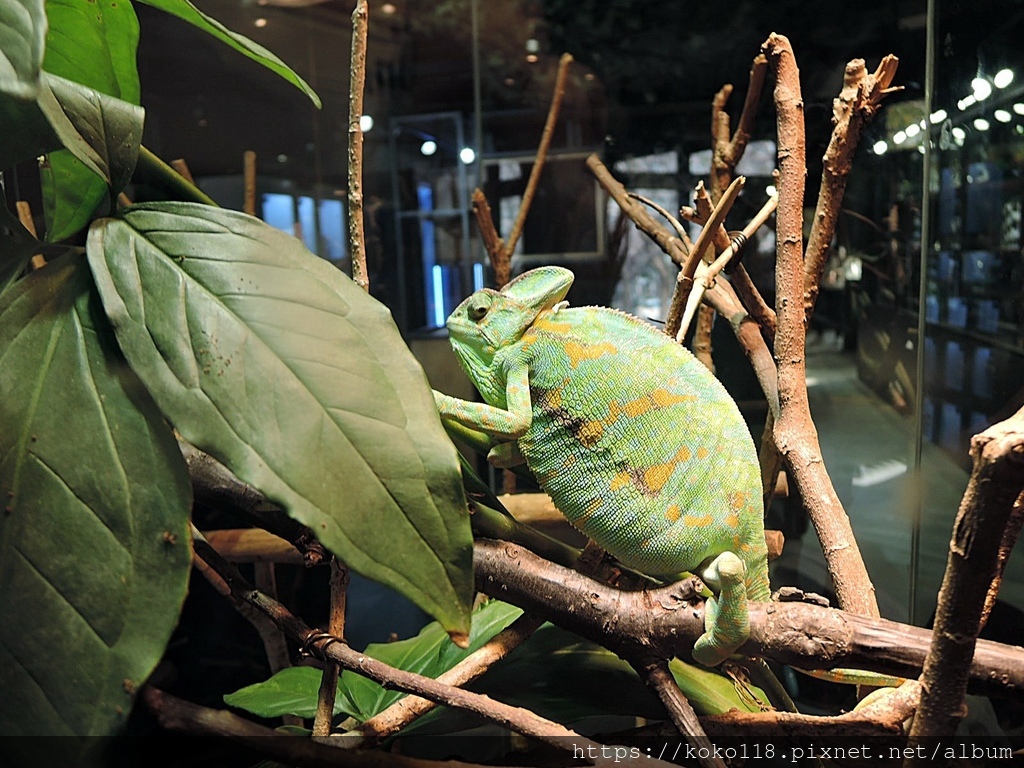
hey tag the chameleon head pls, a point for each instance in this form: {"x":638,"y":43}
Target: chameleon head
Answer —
{"x":489,"y":320}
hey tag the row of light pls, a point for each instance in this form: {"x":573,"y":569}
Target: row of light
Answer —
{"x":981,"y":89}
{"x":429,"y":147}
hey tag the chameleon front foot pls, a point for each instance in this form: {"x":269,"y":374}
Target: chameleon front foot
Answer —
{"x":726,"y":619}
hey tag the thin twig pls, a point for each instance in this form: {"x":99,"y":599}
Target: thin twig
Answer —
{"x":249,"y":182}
{"x":542,"y":154}
{"x":657,"y":676}
{"x":408,"y":709}
{"x":794,"y":429}
{"x":357,"y":80}
{"x":684,"y":283}
{"x":676,"y":249}
{"x":853,"y":110}
{"x":493,"y":243}
{"x":676,"y":225}
{"x":726,"y":153}
{"x":328,"y":690}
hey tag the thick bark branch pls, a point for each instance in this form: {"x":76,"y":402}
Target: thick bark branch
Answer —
{"x":794,"y":430}
{"x":666,"y":621}
{"x":989,"y":504}
{"x":174,"y":714}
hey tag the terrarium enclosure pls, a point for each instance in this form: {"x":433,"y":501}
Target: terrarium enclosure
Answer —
{"x":245,"y":247}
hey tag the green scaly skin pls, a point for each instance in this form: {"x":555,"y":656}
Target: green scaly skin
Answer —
{"x":637,"y":443}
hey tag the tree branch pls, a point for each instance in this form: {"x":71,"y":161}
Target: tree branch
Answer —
{"x":357,"y":81}
{"x":667,"y":620}
{"x":989,"y":504}
{"x":852,"y":111}
{"x":794,"y":429}
{"x":542,"y":154}
{"x":175,"y":714}
{"x":408,"y":709}
{"x":214,"y":485}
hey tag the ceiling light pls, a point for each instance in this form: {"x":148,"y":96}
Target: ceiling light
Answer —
{"x":880,"y":147}
{"x":532,"y":58}
{"x":899,"y":137}
{"x":428,"y":147}
{"x":260,"y":22}
{"x":965,"y":102}
{"x":1003,"y":78}
{"x":388,"y":9}
{"x":1002,"y":116}
{"x":1018,"y":108}
{"x":981,"y":87}
{"x":912,"y":130}
{"x":982,"y":124}
{"x":467,"y":155}
{"x":366,"y":123}
{"x":937,"y":116}
{"x":959,"y":133}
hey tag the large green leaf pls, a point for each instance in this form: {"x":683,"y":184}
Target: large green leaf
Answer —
{"x":277,"y":364}
{"x":94,"y":42}
{"x":22,"y":39}
{"x":185,"y":11}
{"x":94,"y":554}
{"x":291,"y":691}
{"x":102,"y":135}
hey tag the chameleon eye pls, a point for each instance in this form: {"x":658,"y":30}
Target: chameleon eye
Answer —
{"x":478,"y":306}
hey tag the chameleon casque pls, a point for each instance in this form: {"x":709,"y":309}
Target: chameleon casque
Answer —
{"x":637,"y":443}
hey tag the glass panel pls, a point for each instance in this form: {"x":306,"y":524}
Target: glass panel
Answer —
{"x":974,"y":350}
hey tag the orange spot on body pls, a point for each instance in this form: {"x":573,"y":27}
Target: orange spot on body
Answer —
{"x":732,"y":520}
{"x":737,"y":500}
{"x":578,"y":353}
{"x":672,"y":513}
{"x":703,"y":521}
{"x":621,"y":480}
{"x":590,"y":432}
{"x":702,"y":453}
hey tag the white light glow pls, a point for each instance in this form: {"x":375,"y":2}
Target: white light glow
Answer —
{"x":366,"y":123}
{"x":1018,"y":108}
{"x":467,"y":155}
{"x":913,"y":130}
{"x":965,"y":102}
{"x":428,"y":147}
{"x":981,"y":87}
{"x":899,"y":137}
{"x":982,"y":124}
{"x":1003,"y":78}
{"x":959,"y":134}
{"x":938,"y":116}
{"x":260,"y":22}
{"x":880,"y":148}
{"x":771,"y":191}
{"x":1002,"y":116}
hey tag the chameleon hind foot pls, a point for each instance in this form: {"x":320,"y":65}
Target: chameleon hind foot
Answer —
{"x":726,"y":619}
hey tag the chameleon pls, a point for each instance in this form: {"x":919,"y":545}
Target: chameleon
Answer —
{"x":637,"y":443}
